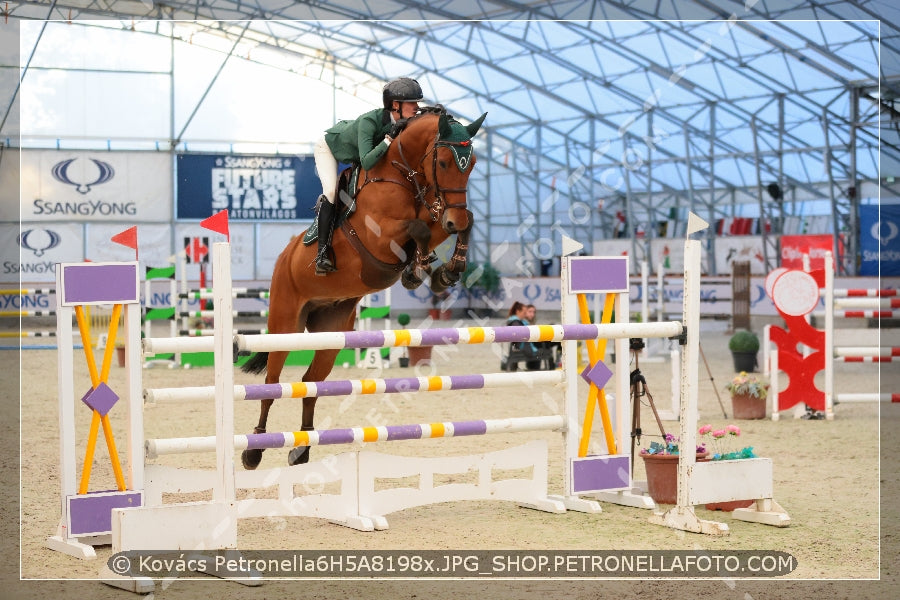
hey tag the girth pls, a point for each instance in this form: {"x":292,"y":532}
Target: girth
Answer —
{"x":376,"y":273}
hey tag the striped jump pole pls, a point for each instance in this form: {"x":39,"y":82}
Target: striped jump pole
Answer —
{"x":419,"y":337}
{"x":871,"y":352}
{"x":357,"y":435}
{"x":26,"y":292}
{"x":873,"y":397}
{"x":452,"y":336}
{"x":207,"y":294}
{"x":26,"y":334}
{"x":870,"y":303}
{"x":390,"y":385}
{"x":864,"y":293}
{"x":234,"y":313}
{"x":867,"y":314}
{"x":27,"y":313}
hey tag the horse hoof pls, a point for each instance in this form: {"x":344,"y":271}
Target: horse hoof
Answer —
{"x":410,"y":281}
{"x":298,"y":456}
{"x":251,"y":458}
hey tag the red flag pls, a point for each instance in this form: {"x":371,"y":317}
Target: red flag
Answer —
{"x":218,"y":223}
{"x":127,"y":238}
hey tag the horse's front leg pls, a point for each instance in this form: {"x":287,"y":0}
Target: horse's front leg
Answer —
{"x":416,"y":272}
{"x":448,"y":274}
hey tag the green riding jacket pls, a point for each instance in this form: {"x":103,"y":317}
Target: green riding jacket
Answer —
{"x":360,"y":141}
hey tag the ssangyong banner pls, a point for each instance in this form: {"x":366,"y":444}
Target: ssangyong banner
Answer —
{"x":879,"y":240}
{"x":96,"y":186}
{"x":251,"y":188}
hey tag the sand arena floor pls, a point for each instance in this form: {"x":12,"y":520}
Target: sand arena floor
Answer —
{"x":827,"y":476}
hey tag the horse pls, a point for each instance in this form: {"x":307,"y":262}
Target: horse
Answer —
{"x":405,"y":206}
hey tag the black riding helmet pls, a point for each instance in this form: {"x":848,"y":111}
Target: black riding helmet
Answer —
{"x":402,"y":90}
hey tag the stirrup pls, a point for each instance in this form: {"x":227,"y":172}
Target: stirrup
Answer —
{"x":324,"y":265}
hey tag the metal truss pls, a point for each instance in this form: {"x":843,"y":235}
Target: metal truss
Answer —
{"x":652,"y":108}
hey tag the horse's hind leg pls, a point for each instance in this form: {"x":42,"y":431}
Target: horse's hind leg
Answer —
{"x":283,"y":318}
{"x":336,"y":317}
{"x":251,"y":458}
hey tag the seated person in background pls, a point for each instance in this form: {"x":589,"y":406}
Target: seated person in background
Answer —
{"x":548,"y":352}
{"x":518,"y":350}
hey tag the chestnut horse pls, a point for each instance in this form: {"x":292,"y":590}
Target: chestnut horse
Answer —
{"x":406,"y":205}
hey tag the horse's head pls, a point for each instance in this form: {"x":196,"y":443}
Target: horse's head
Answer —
{"x":451,"y":165}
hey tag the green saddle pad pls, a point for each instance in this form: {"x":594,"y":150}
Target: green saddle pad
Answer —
{"x":312,"y":234}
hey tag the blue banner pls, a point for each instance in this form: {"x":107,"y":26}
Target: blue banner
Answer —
{"x":879,"y":240}
{"x":252,"y":188}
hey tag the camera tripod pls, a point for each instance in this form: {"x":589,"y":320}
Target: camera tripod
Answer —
{"x":639,"y":390}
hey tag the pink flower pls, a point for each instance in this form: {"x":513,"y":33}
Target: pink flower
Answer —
{"x":733,"y":429}
{"x":705,"y":429}
{"x":718,"y":433}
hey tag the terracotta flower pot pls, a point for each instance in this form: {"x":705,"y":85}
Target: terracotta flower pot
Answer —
{"x":662,"y":476}
{"x":419,"y":355}
{"x":729,"y":506}
{"x":745,"y":406}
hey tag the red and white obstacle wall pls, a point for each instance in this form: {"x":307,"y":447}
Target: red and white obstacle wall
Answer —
{"x":135,"y":516}
{"x":802,"y":351}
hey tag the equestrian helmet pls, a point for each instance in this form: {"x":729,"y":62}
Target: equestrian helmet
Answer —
{"x":402,"y":90}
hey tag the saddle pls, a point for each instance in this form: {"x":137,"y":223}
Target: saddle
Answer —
{"x":346,"y":205}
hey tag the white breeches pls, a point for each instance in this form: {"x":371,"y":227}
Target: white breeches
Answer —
{"x":326,"y":168}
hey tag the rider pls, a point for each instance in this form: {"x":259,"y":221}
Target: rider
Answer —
{"x":362,"y":141}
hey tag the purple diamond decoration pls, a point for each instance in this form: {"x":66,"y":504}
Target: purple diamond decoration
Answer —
{"x":101,"y":398}
{"x":599,"y":374}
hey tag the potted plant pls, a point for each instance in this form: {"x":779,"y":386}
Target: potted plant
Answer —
{"x":748,"y":396}
{"x":744,"y":345}
{"x":480,"y":280}
{"x":661,"y":466}
{"x":723,"y":446}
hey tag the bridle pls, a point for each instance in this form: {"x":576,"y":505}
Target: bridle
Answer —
{"x":420,"y":190}
{"x":439,"y":205}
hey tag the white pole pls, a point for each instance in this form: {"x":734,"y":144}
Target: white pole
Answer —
{"x":773,"y":384}
{"x":645,"y":303}
{"x":134,"y":384}
{"x":660,"y":293}
{"x":570,"y":365}
{"x":66,"y":378}
{"x":622,"y":426}
{"x":224,"y":490}
{"x":689,"y":371}
{"x":829,"y":336}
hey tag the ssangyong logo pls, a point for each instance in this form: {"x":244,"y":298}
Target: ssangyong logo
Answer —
{"x":38,"y":240}
{"x":60,"y":173}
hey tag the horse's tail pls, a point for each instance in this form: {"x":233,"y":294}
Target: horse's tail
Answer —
{"x":256,"y":364}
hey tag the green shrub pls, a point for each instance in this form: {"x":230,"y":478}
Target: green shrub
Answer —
{"x":744,"y":341}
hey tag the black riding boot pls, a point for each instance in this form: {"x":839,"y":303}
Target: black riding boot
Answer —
{"x":324,"y":264}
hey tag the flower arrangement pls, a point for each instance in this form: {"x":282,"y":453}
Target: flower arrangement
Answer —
{"x":744,"y":384}
{"x":723,"y":443}
{"x":670,"y":447}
